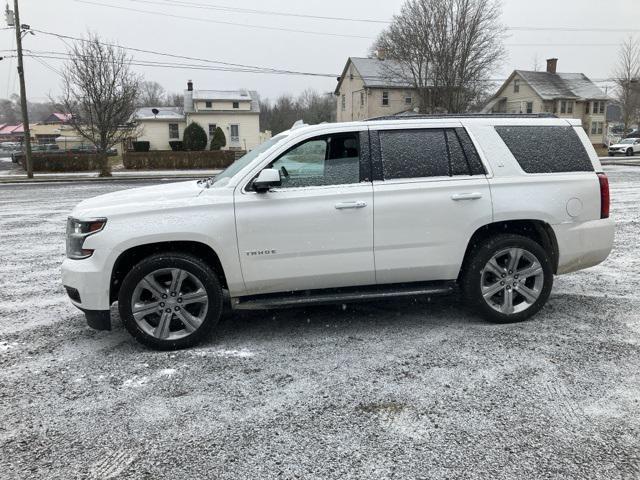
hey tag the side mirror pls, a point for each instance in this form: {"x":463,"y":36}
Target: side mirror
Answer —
{"x":267,"y":179}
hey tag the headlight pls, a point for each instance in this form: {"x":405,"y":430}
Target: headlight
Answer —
{"x":77,"y":231}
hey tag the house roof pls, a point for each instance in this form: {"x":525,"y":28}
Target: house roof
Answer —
{"x":376,"y":73}
{"x":164,"y":113}
{"x":550,"y":86}
{"x":11,"y":129}
{"x":60,"y":117}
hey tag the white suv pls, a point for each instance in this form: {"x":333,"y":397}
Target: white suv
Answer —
{"x":492,"y":205}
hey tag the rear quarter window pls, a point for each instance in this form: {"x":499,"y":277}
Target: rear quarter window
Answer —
{"x":546,"y":149}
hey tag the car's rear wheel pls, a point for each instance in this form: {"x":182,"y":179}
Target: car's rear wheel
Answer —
{"x":170,"y":301}
{"x":508,"y":278}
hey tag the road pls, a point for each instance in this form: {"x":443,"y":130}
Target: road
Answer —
{"x":403,"y":389}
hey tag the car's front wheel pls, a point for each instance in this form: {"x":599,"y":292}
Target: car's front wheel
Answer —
{"x":629,"y":152}
{"x":508,"y":278}
{"x":170,"y":301}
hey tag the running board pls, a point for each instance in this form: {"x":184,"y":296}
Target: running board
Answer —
{"x":343,"y":295}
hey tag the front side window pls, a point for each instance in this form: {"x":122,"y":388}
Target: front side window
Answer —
{"x":546,"y":149}
{"x":325,"y":160}
{"x":385,"y":99}
{"x":173,"y":131}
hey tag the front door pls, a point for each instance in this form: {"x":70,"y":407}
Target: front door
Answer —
{"x":316,"y":230}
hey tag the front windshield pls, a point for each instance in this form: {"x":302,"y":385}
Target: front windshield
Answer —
{"x":223,"y":178}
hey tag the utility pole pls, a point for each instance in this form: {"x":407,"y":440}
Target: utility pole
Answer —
{"x":23,"y":90}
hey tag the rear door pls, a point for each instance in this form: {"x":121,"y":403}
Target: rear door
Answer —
{"x":431,"y":194}
{"x":316,"y":230}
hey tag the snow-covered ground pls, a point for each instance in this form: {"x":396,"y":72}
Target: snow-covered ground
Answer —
{"x":402,"y":389}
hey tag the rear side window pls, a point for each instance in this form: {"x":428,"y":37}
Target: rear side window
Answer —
{"x":546,"y":149}
{"x":433,"y":152}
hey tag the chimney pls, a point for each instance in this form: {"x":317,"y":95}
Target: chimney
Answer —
{"x":380,"y":53}
{"x":552,"y":64}
{"x":189,"y":85}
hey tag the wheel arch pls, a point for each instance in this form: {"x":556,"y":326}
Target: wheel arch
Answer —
{"x":130,"y":257}
{"x":537,"y":230}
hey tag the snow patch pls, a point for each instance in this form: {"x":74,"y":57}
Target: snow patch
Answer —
{"x":242,"y":353}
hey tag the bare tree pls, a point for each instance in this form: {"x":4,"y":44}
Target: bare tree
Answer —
{"x":445,"y":49}
{"x":310,"y":106}
{"x":175,"y":100}
{"x":152,"y":94}
{"x":100,"y":91}
{"x":627,"y":80}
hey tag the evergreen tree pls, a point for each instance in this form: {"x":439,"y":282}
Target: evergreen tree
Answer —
{"x":194,"y":137}
{"x":218,"y":140}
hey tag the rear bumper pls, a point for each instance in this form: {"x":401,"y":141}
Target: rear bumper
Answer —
{"x":583,"y":245}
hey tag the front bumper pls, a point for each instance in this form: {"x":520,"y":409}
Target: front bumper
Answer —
{"x":583,"y":245}
{"x":87,"y":283}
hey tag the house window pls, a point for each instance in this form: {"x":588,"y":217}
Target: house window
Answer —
{"x":174,"y":132}
{"x":343,"y":102}
{"x":362,"y":99}
{"x":207,"y":104}
{"x":529,"y":107}
{"x":408,"y":100}
{"x":212,"y":129}
{"x":235,"y":133}
{"x":569,"y":107}
{"x":385,"y":99}
{"x":516,"y":86}
{"x":597,"y":128}
{"x":602,"y":107}
{"x":236,"y":104}
{"x":587,"y":106}
{"x":563,"y":106}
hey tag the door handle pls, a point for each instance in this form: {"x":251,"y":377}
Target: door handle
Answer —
{"x":466,"y":196}
{"x":345,"y":205}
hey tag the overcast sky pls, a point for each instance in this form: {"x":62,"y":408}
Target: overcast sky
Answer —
{"x":593,"y":53}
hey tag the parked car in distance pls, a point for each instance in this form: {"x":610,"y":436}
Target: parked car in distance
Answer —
{"x":494,"y":206}
{"x":626,"y":146}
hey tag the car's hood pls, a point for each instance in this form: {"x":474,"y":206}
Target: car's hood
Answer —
{"x":156,"y":197}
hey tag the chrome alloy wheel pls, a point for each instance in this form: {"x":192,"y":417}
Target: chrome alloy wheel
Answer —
{"x":169,"y":303}
{"x":512,"y":280}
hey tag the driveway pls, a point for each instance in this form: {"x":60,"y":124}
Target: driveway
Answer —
{"x":406,"y":389}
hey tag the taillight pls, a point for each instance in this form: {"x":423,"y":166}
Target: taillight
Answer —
{"x":604,"y":195}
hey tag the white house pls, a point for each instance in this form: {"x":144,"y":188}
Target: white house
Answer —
{"x":236,"y":112}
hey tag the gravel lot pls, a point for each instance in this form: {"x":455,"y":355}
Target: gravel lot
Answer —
{"x":403,"y":389}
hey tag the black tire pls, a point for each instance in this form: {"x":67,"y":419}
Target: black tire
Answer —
{"x":629,"y":152}
{"x":472,"y":277}
{"x":192,"y":265}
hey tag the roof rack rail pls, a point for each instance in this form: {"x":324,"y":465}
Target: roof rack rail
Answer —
{"x":420,"y":116}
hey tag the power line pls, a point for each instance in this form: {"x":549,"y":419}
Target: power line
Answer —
{"x":221,"y":22}
{"x":256,"y":12}
{"x":190,"y":4}
{"x":171,"y":55}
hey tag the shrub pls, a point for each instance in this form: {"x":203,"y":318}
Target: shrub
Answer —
{"x":176,"y":145}
{"x":218,"y":140}
{"x":194,"y":137}
{"x":140,"y":146}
